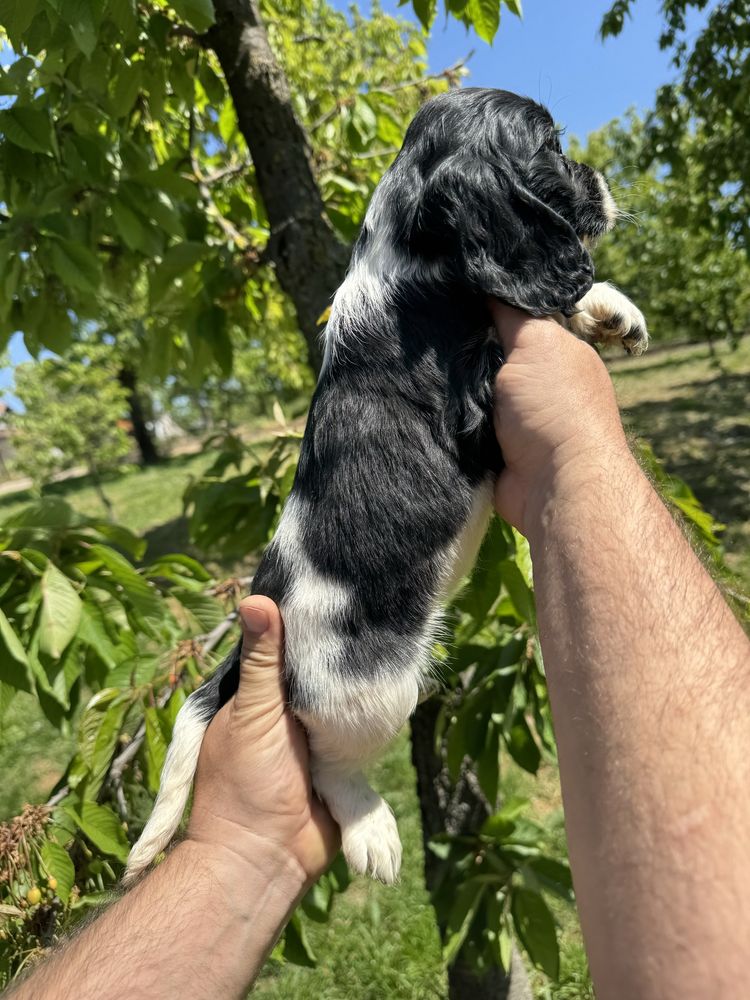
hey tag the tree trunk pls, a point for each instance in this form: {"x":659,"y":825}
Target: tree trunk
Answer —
{"x":310,"y":260}
{"x":143,"y":437}
{"x":456,"y":808}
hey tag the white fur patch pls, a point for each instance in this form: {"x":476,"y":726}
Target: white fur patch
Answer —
{"x":174,"y":790}
{"x":609,"y":206}
{"x":461,"y":554}
{"x":310,"y":608}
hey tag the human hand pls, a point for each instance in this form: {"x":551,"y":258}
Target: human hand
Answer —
{"x":253,"y":796}
{"x":556,"y":416}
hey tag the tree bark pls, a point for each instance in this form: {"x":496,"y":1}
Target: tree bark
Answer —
{"x":143,"y":437}
{"x":310,"y":259}
{"x":457,"y":809}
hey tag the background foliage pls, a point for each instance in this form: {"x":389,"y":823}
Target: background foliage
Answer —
{"x":138,"y":243}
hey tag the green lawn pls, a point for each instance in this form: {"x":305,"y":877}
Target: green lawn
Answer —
{"x":381,"y":944}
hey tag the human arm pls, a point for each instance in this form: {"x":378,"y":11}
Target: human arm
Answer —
{"x":649,"y":679}
{"x":201,"y":924}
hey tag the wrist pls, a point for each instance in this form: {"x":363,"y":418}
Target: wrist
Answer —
{"x":244,"y":860}
{"x":576,"y":487}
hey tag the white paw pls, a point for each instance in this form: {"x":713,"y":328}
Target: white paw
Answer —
{"x":369,"y":835}
{"x":372,"y":845}
{"x":607,"y":317}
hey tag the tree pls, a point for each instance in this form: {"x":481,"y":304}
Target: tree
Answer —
{"x":687,"y":274}
{"x":708,"y":101}
{"x":73,"y":416}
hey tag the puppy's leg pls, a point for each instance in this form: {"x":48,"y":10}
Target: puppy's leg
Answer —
{"x":369,"y":834}
{"x":606,"y":316}
{"x":345,"y":734}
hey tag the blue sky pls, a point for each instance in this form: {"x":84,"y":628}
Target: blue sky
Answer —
{"x":553,"y":55}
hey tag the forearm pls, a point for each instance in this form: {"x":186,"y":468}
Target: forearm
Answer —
{"x":198,"y":926}
{"x":650,"y":685}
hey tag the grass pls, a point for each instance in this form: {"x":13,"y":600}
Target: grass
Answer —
{"x":381,"y":944}
{"x":696,"y":416}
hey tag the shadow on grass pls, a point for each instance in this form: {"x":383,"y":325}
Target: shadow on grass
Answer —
{"x":703,"y":436}
{"x":639,"y":366}
{"x":172,"y":536}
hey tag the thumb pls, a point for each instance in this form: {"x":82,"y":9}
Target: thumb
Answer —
{"x":262,"y":658}
{"x":509,"y":323}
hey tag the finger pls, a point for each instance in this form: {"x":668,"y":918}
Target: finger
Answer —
{"x":262,"y":659}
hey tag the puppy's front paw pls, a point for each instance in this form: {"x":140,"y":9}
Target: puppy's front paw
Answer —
{"x":606,"y":316}
{"x":369,"y":835}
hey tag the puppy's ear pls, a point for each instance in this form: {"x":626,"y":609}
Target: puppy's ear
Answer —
{"x":499,"y":238}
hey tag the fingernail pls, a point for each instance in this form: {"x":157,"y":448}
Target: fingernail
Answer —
{"x":254,"y":619}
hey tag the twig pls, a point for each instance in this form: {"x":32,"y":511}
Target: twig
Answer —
{"x":375,"y":152}
{"x":225,"y":225}
{"x":220,"y":175}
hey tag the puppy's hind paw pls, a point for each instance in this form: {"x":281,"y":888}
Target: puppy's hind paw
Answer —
{"x":372,"y":845}
{"x":369,"y":835}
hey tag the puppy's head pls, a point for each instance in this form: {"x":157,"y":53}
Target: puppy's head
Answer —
{"x":482,"y":188}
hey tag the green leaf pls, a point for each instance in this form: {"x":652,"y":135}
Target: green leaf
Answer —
{"x":76,"y":265}
{"x":199,"y":14}
{"x":514,"y":6}
{"x":296,"y":948}
{"x":14,"y":664}
{"x":28,"y":128}
{"x":102,"y":828}
{"x":317,"y":902}
{"x":227,"y":121}
{"x":176,"y":261}
{"x":60,"y":612}
{"x":16,"y":18}
{"x":518,"y":589}
{"x":136,"y":589}
{"x":536,"y":930}
{"x":553,"y":875}
{"x":78,"y":15}
{"x":522,"y":746}
{"x":99,"y":730}
{"x":155,"y":748}
{"x":126,"y":89}
{"x":92,"y":632}
{"x":425,"y":11}
{"x":132,"y":229}
{"x":484,"y":15}
{"x":502,"y":823}
{"x":463,"y":911}
{"x":58,"y":865}
{"x":488,"y":765}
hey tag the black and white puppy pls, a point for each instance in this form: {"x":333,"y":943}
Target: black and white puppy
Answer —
{"x":393,"y":491}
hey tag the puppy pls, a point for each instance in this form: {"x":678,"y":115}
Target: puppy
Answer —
{"x":393,"y":491}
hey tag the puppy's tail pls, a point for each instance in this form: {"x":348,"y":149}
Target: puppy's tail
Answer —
{"x":180,"y":764}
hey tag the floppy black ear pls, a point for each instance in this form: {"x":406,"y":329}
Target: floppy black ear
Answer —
{"x":500,"y":239}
